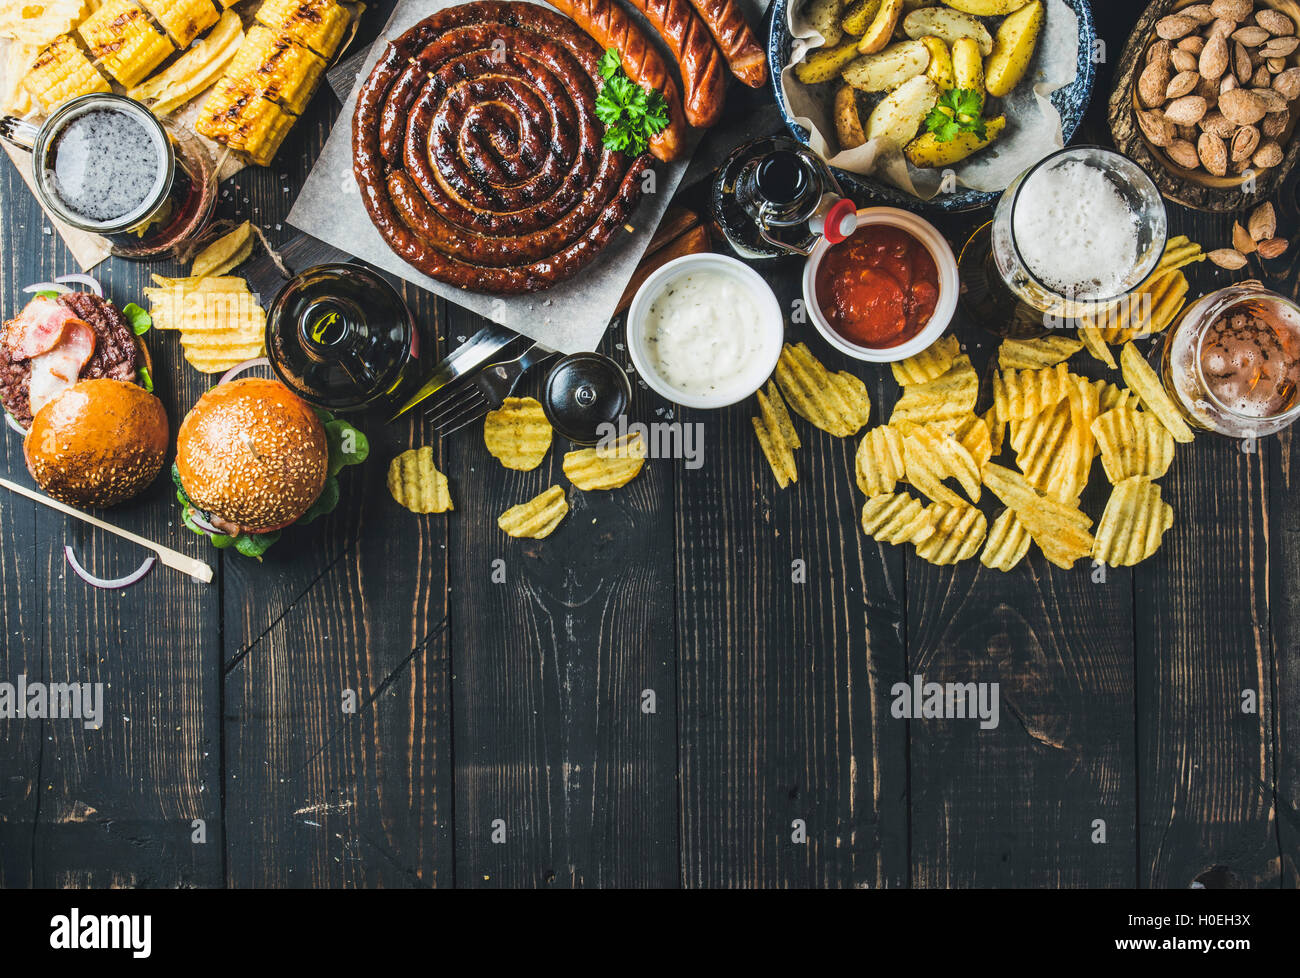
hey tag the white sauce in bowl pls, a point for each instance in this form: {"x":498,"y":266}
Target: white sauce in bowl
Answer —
{"x":703,"y":332}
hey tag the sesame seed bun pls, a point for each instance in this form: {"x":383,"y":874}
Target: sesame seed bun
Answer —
{"x":253,"y":454}
{"x":98,"y":443}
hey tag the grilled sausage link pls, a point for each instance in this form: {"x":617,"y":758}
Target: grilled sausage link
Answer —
{"x":611,"y":27}
{"x":478,"y":152}
{"x":729,"y":28}
{"x":703,"y":69}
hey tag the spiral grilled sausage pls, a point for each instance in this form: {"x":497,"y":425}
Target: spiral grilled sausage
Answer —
{"x":478,"y":152}
{"x":728,"y":26}
{"x":610,"y":25}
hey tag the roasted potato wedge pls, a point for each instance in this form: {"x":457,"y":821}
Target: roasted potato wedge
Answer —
{"x":824,"y":64}
{"x":848,"y":124}
{"x":985,"y":8}
{"x":968,"y":66}
{"x":940,"y":70}
{"x":948,"y":25}
{"x":1013,"y":50}
{"x":901,"y":113}
{"x":881,"y":28}
{"x":858,"y":15}
{"x":886,"y":70}
{"x":824,"y":15}
{"x":926,"y":152}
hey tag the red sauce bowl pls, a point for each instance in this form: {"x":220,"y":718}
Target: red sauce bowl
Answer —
{"x":888,"y":291}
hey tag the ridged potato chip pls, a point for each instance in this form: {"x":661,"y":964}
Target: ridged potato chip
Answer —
{"x":976,"y":438}
{"x":997,"y":431}
{"x":958,"y":533}
{"x":416,"y":483}
{"x":836,"y":403}
{"x":1145,"y":383}
{"x":1060,"y":530}
{"x":227,"y":252}
{"x":880,"y":464}
{"x":1007,"y":543}
{"x":1020,"y":394}
{"x":932,"y":362}
{"x":1095,"y":344}
{"x":931,"y":455}
{"x":1132,"y":444}
{"x":776,"y":435}
{"x":1133,"y":524}
{"x":220,"y":321}
{"x":609,"y":467}
{"x":537,"y":518}
{"x":517,"y":433}
{"x":897,"y":519}
{"x":1039,"y":441}
{"x":1046,"y":351}
{"x":1111,"y":396}
{"x":946,"y":400}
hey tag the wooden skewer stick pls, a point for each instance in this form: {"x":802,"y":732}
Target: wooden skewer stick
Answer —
{"x":197,"y":569}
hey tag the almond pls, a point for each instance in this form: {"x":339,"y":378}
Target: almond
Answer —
{"x":1269,"y":154}
{"x":1158,"y":130}
{"x":1228,"y":84}
{"x":1251,"y":36}
{"x":1213,"y":154}
{"x":1287,"y":84}
{"x":1275,"y":124}
{"x":1192,"y":44}
{"x":1221,"y":27}
{"x":1159,"y":52}
{"x":1182,"y":60}
{"x":1183,"y":83}
{"x":1262,"y":222}
{"x":1273,"y":248}
{"x":1209,"y":91}
{"x":1242,"y":66}
{"x":1214,"y":57}
{"x":1232,"y":9}
{"x":1183,"y":153}
{"x":1189,"y":133}
{"x":1271,"y":99}
{"x":1238,"y":166}
{"x":1263,"y":78}
{"x":1202,"y":13}
{"x":1244,"y":143}
{"x":1280,"y":47}
{"x":1275,"y":65}
{"x":1274,"y":21}
{"x":1241,"y":107}
{"x":1215,"y":122}
{"x":1173,"y":27}
{"x":1229,"y":258}
{"x":1242,"y":241}
{"x":1188,"y":110}
{"x":1152,"y":84}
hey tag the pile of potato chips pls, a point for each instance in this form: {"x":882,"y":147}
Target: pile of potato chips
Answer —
{"x":518,"y":435}
{"x":220,"y":321}
{"x":1054,"y":422}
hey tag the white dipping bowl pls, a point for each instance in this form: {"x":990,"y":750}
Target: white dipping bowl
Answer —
{"x":770,"y":326}
{"x":949,"y":286}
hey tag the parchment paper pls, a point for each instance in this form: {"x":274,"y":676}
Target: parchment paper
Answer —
{"x":570,"y":317}
{"x":1033,"y":124}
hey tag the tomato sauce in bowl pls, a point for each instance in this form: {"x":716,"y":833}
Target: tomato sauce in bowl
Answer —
{"x":878,"y":288}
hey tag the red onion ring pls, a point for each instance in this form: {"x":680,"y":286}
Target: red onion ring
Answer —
{"x":201,"y":523}
{"x":81,"y":279}
{"x":47,"y":287}
{"x":99,"y":582}
{"x":13,"y":423}
{"x":234,"y":372}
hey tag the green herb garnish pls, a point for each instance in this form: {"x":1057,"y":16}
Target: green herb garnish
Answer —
{"x":47,"y":295}
{"x":958,"y":111}
{"x":631,"y":114}
{"x":146,"y":378}
{"x":139,"y":319}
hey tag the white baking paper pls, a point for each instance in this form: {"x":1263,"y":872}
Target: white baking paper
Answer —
{"x":1033,"y":124}
{"x":570,"y":317}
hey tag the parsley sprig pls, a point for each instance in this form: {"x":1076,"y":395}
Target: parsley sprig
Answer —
{"x":958,"y":111}
{"x":631,"y":114}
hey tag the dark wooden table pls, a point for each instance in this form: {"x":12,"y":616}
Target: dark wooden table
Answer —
{"x":501,"y":734}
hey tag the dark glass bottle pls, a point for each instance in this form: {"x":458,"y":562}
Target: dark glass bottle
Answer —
{"x":342,"y":338}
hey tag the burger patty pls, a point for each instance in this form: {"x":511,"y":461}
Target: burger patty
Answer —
{"x":116,"y":355}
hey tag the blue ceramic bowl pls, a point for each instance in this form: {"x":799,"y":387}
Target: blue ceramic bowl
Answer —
{"x":1071,"y":101}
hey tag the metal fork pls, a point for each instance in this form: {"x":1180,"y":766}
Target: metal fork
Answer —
{"x":486,"y":391}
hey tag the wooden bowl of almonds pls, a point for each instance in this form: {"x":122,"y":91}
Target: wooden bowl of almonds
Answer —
{"x":1208,"y":98}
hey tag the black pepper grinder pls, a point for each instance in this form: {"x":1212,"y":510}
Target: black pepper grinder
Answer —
{"x":584,"y":392}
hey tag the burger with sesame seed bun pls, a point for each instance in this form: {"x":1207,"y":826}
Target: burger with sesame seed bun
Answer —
{"x":253,"y":458}
{"x":97,"y":443}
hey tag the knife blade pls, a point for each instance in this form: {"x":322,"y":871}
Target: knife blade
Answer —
{"x":469,"y":356}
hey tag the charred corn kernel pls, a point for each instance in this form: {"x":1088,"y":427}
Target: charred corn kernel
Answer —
{"x":244,"y":121}
{"x":121,"y":39}
{"x":61,"y":72}
{"x":277,"y":66}
{"x":319,"y":24}
{"x":184,"y":20}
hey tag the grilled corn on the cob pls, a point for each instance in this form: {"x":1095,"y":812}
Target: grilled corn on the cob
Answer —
{"x":240,"y":118}
{"x":61,"y":72}
{"x":319,"y":24}
{"x":195,"y":70}
{"x":277,"y":66}
{"x":184,"y":20}
{"x":121,"y":38}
